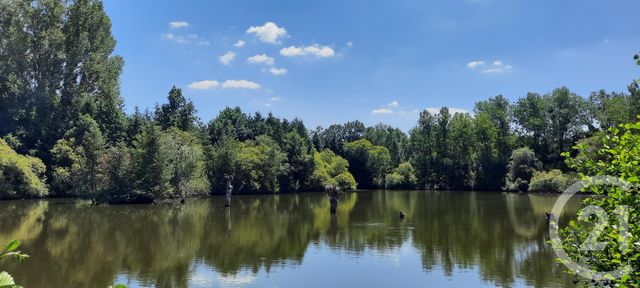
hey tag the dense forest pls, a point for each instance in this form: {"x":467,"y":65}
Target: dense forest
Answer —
{"x":65,"y":132}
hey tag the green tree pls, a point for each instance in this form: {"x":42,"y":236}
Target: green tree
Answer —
{"x":335,"y":136}
{"x":368,"y":163}
{"x":617,"y":157}
{"x":152,"y":162}
{"x":495,"y":140}
{"x":299,"y":152}
{"x":77,"y":160}
{"x":230,"y":123}
{"x":331,"y":170}
{"x":403,"y":177}
{"x":20,"y":176}
{"x":253,"y":165}
{"x":522,"y":165}
{"x":391,"y":138}
{"x":179,"y":112}
{"x":91,"y":71}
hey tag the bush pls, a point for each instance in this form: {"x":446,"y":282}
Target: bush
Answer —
{"x":616,"y":155}
{"x":331,"y":170}
{"x":553,"y":181}
{"x":522,"y":165}
{"x":403,"y":177}
{"x":20,"y":176}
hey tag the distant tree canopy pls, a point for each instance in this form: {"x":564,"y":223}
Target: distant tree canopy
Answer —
{"x":60,"y":102}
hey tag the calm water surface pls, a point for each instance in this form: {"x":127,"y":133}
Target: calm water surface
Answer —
{"x":448,"y":239}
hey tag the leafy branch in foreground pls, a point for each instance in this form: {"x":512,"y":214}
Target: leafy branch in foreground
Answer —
{"x":11,"y":250}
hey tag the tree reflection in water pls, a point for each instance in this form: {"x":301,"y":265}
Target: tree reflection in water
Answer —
{"x":502,"y":236}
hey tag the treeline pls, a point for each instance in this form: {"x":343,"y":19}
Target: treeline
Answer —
{"x":65,"y":132}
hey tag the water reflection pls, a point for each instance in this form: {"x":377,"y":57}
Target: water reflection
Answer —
{"x":459,"y":237}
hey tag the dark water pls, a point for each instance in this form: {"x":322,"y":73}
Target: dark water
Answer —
{"x":448,"y":239}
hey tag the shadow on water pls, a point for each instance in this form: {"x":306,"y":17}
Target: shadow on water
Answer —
{"x":501,"y":236}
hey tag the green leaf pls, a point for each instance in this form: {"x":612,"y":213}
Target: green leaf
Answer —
{"x":6,"y":281}
{"x":13,"y":245}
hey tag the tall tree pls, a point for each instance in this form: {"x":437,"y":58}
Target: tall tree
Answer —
{"x":91,"y":72}
{"x":178,"y":112}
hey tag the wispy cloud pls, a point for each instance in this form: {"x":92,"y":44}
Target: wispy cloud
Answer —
{"x":495,"y":67}
{"x":261,"y":59}
{"x":394,"y":103}
{"x":382,"y":111}
{"x":240,"y":84}
{"x":226,"y":58}
{"x":278,"y":71}
{"x":312,"y":50}
{"x":204,"y":85}
{"x":184,"y":39}
{"x":240,"y":43}
{"x":178,"y":24}
{"x":474,"y":64}
{"x":227,"y":84}
{"x":268,"y":33}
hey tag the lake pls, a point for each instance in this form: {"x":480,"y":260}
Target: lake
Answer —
{"x":447,"y":239}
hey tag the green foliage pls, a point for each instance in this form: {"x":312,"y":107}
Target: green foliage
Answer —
{"x":617,"y":155}
{"x":254,"y":165}
{"x":553,"y":181}
{"x":368,"y":163}
{"x":403,"y":177}
{"x":523,"y":164}
{"x":335,"y":136}
{"x":441,"y":150}
{"x":391,"y":138}
{"x":331,"y":170}
{"x":77,"y":159}
{"x":20,"y":176}
{"x":178,"y":113}
{"x":550,"y":124}
{"x":300,"y":164}
{"x":10,"y":250}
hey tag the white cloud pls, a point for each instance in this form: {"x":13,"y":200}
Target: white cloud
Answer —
{"x":268,"y":33}
{"x":175,"y":38}
{"x":495,"y":67}
{"x":188,"y":39}
{"x":178,"y":24}
{"x":240,"y":84}
{"x":452,"y":110}
{"x":312,"y":50}
{"x":275,"y":98}
{"x":204,"y":85}
{"x":278,"y":71}
{"x":261,"y":59}
{"x":394,"y":103}
{"x":350,"y":44}
{"x":382,"y":111}
{"x":240,"y":43}
{"x":474,"y":64}
{"x":226,"y":58}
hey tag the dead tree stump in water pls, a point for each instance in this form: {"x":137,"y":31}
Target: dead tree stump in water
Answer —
{"x":227,"y":196}
{"x":333,"y":192}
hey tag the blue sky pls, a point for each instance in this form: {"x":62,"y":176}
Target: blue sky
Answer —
{"x":376,"y":61}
